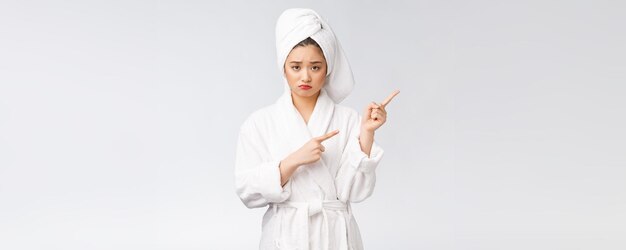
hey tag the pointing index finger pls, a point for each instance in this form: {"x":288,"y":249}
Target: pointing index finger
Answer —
{"x":390,"y":97}
{"x":327,"y":136}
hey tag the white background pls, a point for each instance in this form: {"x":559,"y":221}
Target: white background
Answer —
{"x":118,"y":121}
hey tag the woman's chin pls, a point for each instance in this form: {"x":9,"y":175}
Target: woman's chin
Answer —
{"x":306,"y":93}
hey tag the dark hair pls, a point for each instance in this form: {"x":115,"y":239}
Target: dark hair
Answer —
{"x":307,"y":41}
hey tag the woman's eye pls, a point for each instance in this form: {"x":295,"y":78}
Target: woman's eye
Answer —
{"x":295,"y":67}
{"x":315,"y":68}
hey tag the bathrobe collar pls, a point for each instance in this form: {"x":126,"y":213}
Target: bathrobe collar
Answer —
{"x":320,"y":118}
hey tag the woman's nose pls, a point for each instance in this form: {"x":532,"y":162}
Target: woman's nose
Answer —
{"x":306,"y":76}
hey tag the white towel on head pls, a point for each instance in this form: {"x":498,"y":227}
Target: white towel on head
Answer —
{"x":295,"y":25}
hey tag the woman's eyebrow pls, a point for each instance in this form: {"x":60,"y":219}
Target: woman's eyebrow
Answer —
{"x":312,"y":62}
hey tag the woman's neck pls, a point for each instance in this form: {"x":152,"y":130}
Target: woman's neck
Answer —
{"x":305,"y":105}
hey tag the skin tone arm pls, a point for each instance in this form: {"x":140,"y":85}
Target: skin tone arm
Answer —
{"x":374,"y":116}
{"x":286,"y":170}
{"x":366,"y":139}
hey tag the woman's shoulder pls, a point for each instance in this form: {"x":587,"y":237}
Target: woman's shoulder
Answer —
{"x":259,"y":117}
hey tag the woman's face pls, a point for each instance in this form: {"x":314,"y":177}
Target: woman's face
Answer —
{"x":305,"y":70}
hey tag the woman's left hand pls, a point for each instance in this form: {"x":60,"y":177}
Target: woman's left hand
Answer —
{"x":375,"y":114}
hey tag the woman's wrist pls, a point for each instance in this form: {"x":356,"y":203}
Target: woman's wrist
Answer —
{"x":289,"y":163}
{"x":368,"y":133}
{"x":366,"y":139}
{"x":286,"y":168}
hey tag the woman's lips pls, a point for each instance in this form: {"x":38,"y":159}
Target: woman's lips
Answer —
{"x":305,"y":87}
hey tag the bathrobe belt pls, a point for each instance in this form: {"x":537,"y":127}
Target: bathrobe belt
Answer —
{"x":307,"y":209}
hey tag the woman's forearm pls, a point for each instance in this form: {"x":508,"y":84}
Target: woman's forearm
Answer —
{"x":286,"y":167}
{"x":366,"y":139}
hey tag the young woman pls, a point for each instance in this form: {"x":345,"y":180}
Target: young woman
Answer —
{"x":306,"y":157}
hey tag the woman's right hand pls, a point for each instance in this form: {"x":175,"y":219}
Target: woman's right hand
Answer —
{"x":309,"y":152}
{"x":312,"y":150}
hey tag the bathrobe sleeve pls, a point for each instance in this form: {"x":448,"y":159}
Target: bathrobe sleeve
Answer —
{"x":356,"y":176}
{"x":257,"y":177}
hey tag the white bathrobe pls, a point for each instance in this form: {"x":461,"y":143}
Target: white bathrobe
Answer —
{"x":312,"y":210}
